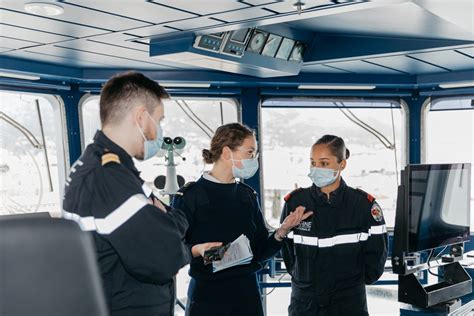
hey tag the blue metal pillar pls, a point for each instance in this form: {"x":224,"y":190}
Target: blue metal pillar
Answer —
{"x":415,"y":105}
{"x":250,"y":106}
{"x":71,"y":100}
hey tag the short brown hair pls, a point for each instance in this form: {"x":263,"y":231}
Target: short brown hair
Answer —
{"x":125,"y":90}
{"x":231,"y":135}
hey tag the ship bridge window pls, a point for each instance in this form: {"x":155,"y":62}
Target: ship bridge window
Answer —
{"x":32,"y":159}
{"x":374,"y":132}
{"x":449,"y":134}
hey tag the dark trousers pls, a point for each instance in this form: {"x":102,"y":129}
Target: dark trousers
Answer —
{"x":351,"y":301}
{"x":234,"y":297}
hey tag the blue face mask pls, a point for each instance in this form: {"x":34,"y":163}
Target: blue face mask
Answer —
{"x":249,"y":168}
{"x":151,"y":147}
{"x":322,"y":177}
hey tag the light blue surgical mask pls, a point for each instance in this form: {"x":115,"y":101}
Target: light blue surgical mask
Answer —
{"x":323,"y":177}
{"x":151,"y":147}
{"x":249,"y":167}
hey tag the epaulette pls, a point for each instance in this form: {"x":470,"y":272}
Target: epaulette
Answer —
{"x":248,"y":187}
{"x":185,"y":187}
{"x":369,"y":197}
{"x":292,"y":193}
{"x":109,"y":157}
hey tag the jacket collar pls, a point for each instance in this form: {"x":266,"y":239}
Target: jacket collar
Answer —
{"x":335,"y":197}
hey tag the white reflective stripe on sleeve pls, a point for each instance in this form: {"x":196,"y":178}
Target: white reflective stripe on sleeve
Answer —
{"x":378,"y":230}
{"x":331,"y":241}
{"x":305,"y":240}
{"x":147,"y":190}
{"x":112,"y":221}
{"x":290,"y":235}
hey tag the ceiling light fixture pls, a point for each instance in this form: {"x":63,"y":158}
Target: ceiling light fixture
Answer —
{"x":43,"y":8}
{"x":18,"y":76}
{"x":184,"y":84}
{"x":459,"y":84}
{"x":336,"y":87}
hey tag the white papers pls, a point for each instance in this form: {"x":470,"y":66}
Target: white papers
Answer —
{"x":238,"y":253}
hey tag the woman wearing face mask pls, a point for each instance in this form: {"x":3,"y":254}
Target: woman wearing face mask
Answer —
{"x":219,"y":208}
{"x":342,"y":247}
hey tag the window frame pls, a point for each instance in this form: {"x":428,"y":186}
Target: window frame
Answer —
{"x":405,"y":137}
{"x":59,"y":113}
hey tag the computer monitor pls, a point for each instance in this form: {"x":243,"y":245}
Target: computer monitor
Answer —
{"x":433,"y":207}
{"x":439,"y":205}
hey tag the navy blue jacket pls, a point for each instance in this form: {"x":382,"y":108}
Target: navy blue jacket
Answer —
{"x":219,"y":212}
{"x":139,"y":247}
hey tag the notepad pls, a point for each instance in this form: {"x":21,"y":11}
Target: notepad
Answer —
{"x":239,"y":253}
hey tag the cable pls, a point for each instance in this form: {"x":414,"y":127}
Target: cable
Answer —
{"x":191,"y":118}
{"x":364,"y":125}
{"x":394,"y":144}
{"x":197,"y":117}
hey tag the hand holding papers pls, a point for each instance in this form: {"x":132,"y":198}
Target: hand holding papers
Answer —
{"x":238,"y":253}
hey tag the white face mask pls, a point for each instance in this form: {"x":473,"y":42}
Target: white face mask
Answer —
{"x":323,"y":177}
{"x":249,"y":167}
{"x":151,"y":147}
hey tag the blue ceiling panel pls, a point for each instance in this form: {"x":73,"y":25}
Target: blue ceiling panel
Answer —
{"x":27,"y":34}
{"x":145,"y":11}
{"x":287,"y":6}
{"x":467,"y":51}
{"x":47,"y":25}
{"x":193,"y":23}
{"x":402,"y":19}
{"x":204,"y":7}
{"x":85,"y":16}
{"x":359,"y":66}
{"x":448,"y":59}
{"x":13,"y":43}
{"x":406,"y":64}
{"x":243,"y":15}
{"x":322,"y":69}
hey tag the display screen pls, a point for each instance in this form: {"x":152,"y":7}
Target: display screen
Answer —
{"x":239,"y":35}
{"x":439,"y":205}
{"x":285,"y":49}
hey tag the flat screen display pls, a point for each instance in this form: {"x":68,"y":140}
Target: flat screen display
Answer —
{"x":439,"y":205}
{"x":239,"y":36}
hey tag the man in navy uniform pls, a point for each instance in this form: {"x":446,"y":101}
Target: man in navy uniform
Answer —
{"x":139,"y":241}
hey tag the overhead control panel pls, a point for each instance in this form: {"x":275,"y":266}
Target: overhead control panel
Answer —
{"x":263,"y":52}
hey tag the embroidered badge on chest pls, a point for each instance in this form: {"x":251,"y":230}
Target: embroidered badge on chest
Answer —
{"x":305,"y":226}
{"x":376,"y":212}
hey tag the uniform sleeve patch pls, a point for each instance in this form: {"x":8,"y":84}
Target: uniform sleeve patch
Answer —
{"x":376,"y":212}
{"x":106,"y":158}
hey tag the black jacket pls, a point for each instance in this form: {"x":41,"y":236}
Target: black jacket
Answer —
{"x":139,"y":247}
{"x":222,"y":212}
{"x":343,"y":245}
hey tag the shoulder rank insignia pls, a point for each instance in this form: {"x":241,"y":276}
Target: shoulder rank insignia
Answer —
{"x":289,"y":195}
{"x":185,"y":187}
{"x":370,"y":197}
{"x":109,"y":157}
{"x":248,"y":187}
{"x":376,"y":212}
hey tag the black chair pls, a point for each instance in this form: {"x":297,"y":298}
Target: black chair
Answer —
{"x":48,"y":267}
